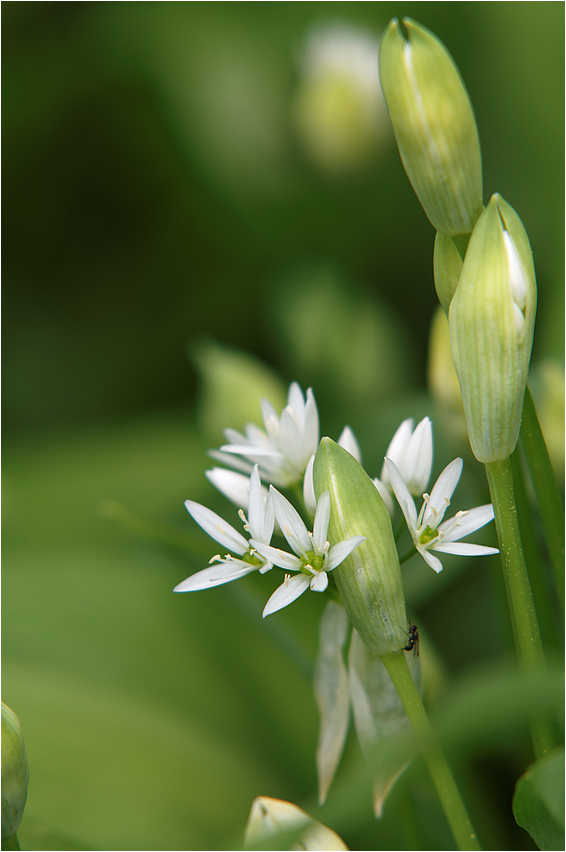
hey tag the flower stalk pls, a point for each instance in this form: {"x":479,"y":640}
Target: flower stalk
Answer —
{"x":443,"y":780}
{"x":517,"y":585}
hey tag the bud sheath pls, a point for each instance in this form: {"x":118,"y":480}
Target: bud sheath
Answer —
{"x":434,"y":125}
{"x":369,"y":580}
{"x":491,"y":318}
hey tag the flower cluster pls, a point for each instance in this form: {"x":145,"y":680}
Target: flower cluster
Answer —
{"x":283,"y":454}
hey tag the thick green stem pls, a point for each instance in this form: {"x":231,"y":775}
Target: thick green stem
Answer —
{"x":441,"y":775}
{"x":517,"y":585}
{"x":546,"y":490}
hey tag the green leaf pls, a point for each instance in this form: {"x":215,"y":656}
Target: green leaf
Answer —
{"x":538,"y":803}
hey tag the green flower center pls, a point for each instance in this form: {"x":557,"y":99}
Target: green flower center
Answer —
{"x":252,"y":559}
{"x":428,"y":534}
{"x":311,"y":562}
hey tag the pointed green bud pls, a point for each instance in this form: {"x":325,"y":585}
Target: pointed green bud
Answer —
{"x":369,"y":580}
{"x":491,"y":320}
{"x":447,"y":266}
{"x":15,"y":773}
{"x":434,"y":125}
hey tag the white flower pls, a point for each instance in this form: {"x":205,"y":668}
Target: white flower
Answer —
{"x":427,"y":531}
{"x":283,"y":450}
{"x":314,"y":556}
{"x":260,"y":526}
{"x":411,"y":452}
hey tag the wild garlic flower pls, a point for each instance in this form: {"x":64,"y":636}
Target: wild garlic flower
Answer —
{"x":283,"y":450}
{"x":313,"y":556}
{"x":426,"y":529}
{"x":227,"y":568}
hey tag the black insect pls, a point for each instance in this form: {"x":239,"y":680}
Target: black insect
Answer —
{"x":413,"y":643}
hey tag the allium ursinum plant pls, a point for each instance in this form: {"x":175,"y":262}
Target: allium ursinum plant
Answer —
{"x":351,"y":556}
{"x":485,"y":281}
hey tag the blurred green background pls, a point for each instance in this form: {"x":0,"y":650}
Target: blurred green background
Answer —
{"x":167,"y":195}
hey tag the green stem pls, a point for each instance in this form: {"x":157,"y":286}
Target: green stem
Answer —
{"x":546,"y":490}
{"x":11,"y":842}
{"x":517,"y":585}
{"x":442,"y":777}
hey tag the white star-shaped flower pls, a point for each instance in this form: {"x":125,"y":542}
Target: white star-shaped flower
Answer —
{"x":411,"y":452}
{"x":427,"y":529}
{"x":283,"y":450}
{"x":227,"y":568}
{"x":313,"y":557}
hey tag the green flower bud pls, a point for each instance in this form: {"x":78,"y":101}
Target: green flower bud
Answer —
{"x":434,"y":125}
{"x":491,"y":320}
{"x":15,"y":773}
{"x":369,"y":579}
{"x":447,"y":266}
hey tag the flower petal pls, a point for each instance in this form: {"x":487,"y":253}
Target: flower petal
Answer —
{"x":403,"y":496}
{"x":463,"y":548}
{"x":468,"y":522}
{"x":216,"y":575}
{"x":291,"y":524}
{"x":349,"y":441}
{"x":431,"y":560}
{"x":417,"y":462}
{"x":397,"y":447}
{"x":308,"y":488}
{"x":289,"y":591}
{"x":321,"y":519}
{"x":338,"y":552}
{"x":319,"y":581}
{"x":234,"y":486}
{"x":261,"y":517}
{"x":441,"y":494}
{"x":278,"y":557}
{"x":217,"y":528}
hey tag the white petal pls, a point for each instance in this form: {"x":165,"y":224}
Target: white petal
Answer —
{"x":278,"y":557}
{"x":289,"y":591}
{"x":417,"y":463}
{"x":385,"y":495}
{"x":232,"y":461}
{"x":308,"y":488}
{"x":467,"y":523}
{"x":442,"y":492}
{"x":430,"y":559}
{"x":270,"y":419}
{"x":261,"y":516}
{"x":216,"y":575}
{"x":397,"y":447}
{"x":319,"y":581}
{"x":321,"y":519}
{"x":403,"y":496}
{"x":349,"y":441}
{"x":217,"y":528}
{"x":341,"y":550}
{"x":311,"y":428}
{"x":296,"y":401}
{"x":463,"y":548}
{"x":234,"y":486}
{"x":290,"y":523}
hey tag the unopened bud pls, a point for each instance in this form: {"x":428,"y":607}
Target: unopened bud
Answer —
{"x":369,"y":579}
{"x":15,"y":773}
{"x":434,"y":125}
{"x":270,"y":817}
{"x":491,"y":319}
